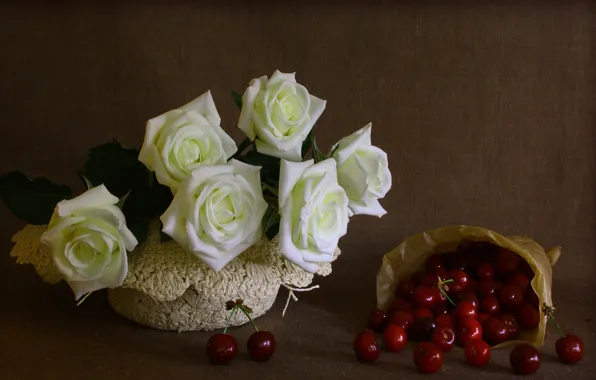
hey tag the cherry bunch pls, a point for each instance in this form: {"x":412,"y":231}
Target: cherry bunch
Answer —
{"x":476,"y":297}
{"x":222,"y":348}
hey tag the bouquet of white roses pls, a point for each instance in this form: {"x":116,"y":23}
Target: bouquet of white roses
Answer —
{"x":213,"y":198}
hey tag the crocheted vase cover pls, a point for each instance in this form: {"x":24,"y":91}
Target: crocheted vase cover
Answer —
{"x":170,"y":289}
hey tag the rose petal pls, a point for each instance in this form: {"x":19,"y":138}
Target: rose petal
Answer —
{"x":95,"y":197}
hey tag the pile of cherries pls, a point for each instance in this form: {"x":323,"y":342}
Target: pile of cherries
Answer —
{"x":222,"y":348}
{"x":476,"y":297}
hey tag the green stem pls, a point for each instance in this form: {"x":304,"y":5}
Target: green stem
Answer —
{"x":551,"y":316}
{"x":249,"y":317}
{"x":234,"y":310}
{"x":440,"y":286}
{"x":242,"y":147}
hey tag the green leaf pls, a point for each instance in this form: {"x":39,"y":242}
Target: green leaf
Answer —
{"x":271,"y":222}
{"x":316,"y":152}
{"x":139,"y":228}
{"x":269,"y":165}
{"x":31,"y":200}
{"x":86,"y":182}
{"x":307,"y":144}
{"x":237,"y":99}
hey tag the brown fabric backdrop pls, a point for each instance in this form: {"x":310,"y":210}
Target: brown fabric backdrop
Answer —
{"x":486,"y":111}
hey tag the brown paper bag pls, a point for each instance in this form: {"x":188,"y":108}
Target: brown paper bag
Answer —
{"x":409,"y":257}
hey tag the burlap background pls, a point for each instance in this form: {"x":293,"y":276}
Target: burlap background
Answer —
{"x":486,"y":111}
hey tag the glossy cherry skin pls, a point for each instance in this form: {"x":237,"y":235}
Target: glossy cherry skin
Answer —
{"x":467,"y":330}
{"x":378,"y":320}
{"x":524,"y":359}
{"x":261,"y":345}
{"x":532,"y":298}
{"x":464,"y":310}
{"x":528,"y":317}
{"x":443,"y":337}
{"x":520,"y":279}
{"x":570,"y":349}
{"x":511,"y":296}
{"x":482,"y":318}
{"x":429,"y":280}
{"x":495,"y":331}
{"x":428,"y":358}
{"x":425,"y":297}
{"x":366,"y":346}
{"x":403,"y":319}
{"x":444,"y":320}
{"x":460,"y":281}
{"x":422,"y":313}
{"x":405,"y":288}
{"x":512,"y":325}
{"x":221,"y":348}
{"x":441,"y":308}
{"x":394,"y":338}
{"x":470,"y":296}
{"x":485,"y":271}
{"x":423,"y":329}
{"x":526,"y":269}
{"x":491,"y":305}
{"x":400,"y":304}
{"x":477,"y":353}
{"x":489,"y":287}
{"x":506,"y":262}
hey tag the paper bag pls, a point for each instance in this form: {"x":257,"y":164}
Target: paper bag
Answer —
{"x":409,"y":257}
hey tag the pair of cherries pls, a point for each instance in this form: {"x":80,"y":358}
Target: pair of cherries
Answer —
{"x":222,"y":348}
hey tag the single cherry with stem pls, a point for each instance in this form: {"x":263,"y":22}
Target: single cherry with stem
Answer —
{"x":569,"y":347}
{"x":261,"y":344}
{"x":222,"y":348}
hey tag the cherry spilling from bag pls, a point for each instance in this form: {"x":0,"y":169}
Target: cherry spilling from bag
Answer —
{"x":476,"y":297}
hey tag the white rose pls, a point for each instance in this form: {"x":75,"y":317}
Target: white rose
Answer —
{"x":181,"y":140}
{"x":313,"y":210}
{"x":279,"y":113}
{"x":88,"y":239}
{"x":363,"y":172}
{"x":217,"y":213}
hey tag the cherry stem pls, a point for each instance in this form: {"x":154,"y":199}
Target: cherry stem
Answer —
{"x":440,"y":286}
{"x":550,"y":313}
{"x":248,"y":316}
{"x":234,"y":310}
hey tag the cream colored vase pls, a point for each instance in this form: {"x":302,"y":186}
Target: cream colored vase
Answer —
{"x":170,"y":289}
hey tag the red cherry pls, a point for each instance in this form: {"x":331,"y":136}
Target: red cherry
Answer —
{"x":423,"y":329}
{"x":524,"y":359}
{"x":482,"y":317}
{"x":526,"y":269}
{"x":528,"y":317}
{"x":261,"y":345}
{"x":422,"y":313}
{"x":464,"y":310}
{"x":532,"y":298}
{"x":468,"y":329}
{"x":444,"y":320}
{"x":473,"y":285}
{"x":416,"y":278}
{"x":570,"y":349}
{"x":221,"y":348}
{"x":477,"y":353}
{"x":424,"y":297}
{"x":441,"y":309}
{"x":400,"y":304}
{"x":433,"y":263}
{"x":520,"y":279}
{"x":512,"y":325}
{"x":405,"y":288}
{"x":428,"y":358}
{"x":495,"y":331}
{"x":489,"y":287}
{"x":490,"y":305}
{"x":470,"y":296}
{"x":378,"y":320}
{"x":460,"y":281}
{"x":443,"y":337}
{"x":485,"y":271}
{"x":366,"y":346}
{"x":442,"y":273}
{"x":403,"y":319}
{"x":394,"y":338}
{"x":511,"y":296}
{"x":506,"y":262}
